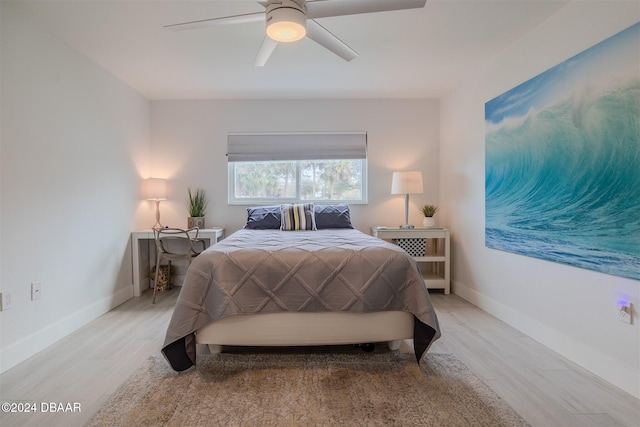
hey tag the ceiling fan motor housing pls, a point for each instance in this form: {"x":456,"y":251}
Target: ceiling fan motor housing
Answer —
{"x":286,"y":20}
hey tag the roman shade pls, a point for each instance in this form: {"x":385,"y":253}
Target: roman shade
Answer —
{"x":256,"y":147}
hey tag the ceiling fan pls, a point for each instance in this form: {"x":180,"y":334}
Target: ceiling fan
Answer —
{"x":291,"y":20}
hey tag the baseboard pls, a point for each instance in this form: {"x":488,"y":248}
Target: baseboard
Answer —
{"x":34,"y":343}
{"x":602,"y":365}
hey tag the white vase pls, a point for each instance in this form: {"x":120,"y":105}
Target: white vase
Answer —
{"x":428,"y":222}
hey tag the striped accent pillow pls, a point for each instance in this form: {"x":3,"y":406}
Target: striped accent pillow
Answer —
{"x":299,"y":216}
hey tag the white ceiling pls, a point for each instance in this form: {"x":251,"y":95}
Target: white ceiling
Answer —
{"x":419,"y":53}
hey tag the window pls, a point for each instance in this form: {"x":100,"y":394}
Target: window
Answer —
{"x":276,"y":168}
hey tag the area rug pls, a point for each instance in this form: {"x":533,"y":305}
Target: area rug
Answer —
{"x":321,"y":389}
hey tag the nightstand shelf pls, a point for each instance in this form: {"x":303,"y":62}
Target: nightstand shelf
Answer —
{"x":430,"y":247}
{"x":428,"y":258}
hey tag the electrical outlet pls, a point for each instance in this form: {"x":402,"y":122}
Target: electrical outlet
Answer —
{"x":624,"y":311}
{"x":36,"y":291}
{"x":5,"y":300}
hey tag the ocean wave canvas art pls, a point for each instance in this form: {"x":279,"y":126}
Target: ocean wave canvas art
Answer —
{"x":562,"y":167}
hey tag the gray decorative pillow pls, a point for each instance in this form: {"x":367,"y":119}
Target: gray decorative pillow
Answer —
{"x":263,"y":218}
{"x":332,"y":216}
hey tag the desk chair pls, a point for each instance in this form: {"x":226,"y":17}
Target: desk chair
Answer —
{"x":165,"y":251}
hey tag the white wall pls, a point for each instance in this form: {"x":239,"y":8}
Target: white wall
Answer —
{"x":571,"y":310}
{"x":74,"y":144}
{"x":189,"y":141}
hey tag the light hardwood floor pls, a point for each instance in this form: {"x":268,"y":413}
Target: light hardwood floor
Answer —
{"x":88,"y":366}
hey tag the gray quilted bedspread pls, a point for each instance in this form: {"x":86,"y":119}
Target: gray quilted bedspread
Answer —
{"x":266,"y":271}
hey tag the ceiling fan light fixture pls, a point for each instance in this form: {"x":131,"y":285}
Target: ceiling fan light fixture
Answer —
{"x":286,"y":24}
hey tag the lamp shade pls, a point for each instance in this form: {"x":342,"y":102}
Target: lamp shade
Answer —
{"x":407,"y":183}
{"x":155,"y":189}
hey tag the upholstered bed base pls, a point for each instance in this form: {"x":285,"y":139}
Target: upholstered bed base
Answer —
{"x":306,"y":329}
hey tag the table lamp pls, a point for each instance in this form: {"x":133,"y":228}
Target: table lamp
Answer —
{"x":406,"y":183}
{"x":156,"y":190}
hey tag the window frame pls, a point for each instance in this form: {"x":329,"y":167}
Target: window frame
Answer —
{"x":232,"y":200}
{"x":296,"y":147}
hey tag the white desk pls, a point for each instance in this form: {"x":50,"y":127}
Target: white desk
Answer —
{"x":143,"y":249}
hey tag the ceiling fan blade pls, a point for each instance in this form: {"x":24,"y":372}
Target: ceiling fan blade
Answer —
{"x":322,"y":36}
{"x":267,"y":48}
{"x":235,"y":19}
{"x":324,"y":9}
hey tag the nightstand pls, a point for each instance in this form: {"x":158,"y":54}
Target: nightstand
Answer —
{"x":430,"y":247}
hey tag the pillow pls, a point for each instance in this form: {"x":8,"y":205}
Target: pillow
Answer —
{"x":263,"y":218}
{"x":297,"y":217}
{"x":333,"y":216}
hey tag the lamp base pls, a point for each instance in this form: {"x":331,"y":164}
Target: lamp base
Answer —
{"x":406,"y":226}
{"x":157,"y":225}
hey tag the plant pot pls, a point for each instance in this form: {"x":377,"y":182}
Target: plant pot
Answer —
{"x":428,"y":222}
{"x":195,"y":221}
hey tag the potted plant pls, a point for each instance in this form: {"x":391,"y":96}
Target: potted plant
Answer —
{"x":197,"y":208}
{"x":429,"y":211}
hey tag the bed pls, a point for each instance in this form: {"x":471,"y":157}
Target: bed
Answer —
{"x":328,"y":284}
